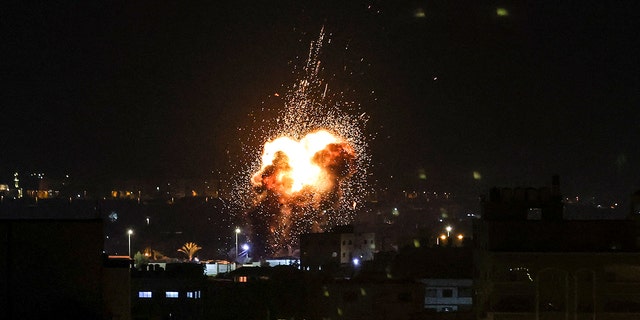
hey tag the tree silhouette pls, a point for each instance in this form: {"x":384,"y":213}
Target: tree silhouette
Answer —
{"x":190,"y":249}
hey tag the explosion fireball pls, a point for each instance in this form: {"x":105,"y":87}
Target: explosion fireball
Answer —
{"x":314,"y":164}
{"x":311,"y":174}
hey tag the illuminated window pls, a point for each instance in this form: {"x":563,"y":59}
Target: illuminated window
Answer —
{"x":189,"y":294}
{"x":242,"y":279}
{"x":144,"y":294}
{"x":171,"y":294}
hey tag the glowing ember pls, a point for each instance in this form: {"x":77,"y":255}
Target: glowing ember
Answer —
{"x":312,"y":170}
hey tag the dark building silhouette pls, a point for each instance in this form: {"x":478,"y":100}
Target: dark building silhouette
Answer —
{"x":532,"y":262}
{"x":55,"y":268}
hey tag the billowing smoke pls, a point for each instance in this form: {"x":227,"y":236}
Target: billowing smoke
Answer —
{"x":298,"y":182}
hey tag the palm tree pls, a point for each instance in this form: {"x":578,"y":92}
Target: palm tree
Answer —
{"x":190,"y":249}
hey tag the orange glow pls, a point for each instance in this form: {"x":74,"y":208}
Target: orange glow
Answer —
{"x":313,"y":163}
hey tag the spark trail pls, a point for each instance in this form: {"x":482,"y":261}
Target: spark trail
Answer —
{"x":310,"y":174}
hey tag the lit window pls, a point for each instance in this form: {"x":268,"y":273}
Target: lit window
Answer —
{"x":171,"y":294}
{"x":242,"y":279}
{"x":189,"y":294}
{"x":144,"y":294}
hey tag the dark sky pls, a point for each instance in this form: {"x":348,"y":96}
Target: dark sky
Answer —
{"x":102,"y":89}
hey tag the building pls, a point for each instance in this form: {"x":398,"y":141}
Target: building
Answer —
{"x":531,"y":262}
{"x":54,"y":268}
{"x":379,"y":299}
{"x":445,"y":276}
{"x":174,"y":291}
{"x":338,"y":247}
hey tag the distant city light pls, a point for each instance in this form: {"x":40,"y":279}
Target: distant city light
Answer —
{"x":502,"y":12}
{"x":356,"y":261}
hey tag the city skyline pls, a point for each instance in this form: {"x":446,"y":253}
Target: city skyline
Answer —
{"x":460,"y":97}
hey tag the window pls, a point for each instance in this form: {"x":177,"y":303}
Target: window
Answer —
{"x":144,"y":294}
{"x":242,"y":279}
{"x":171,"y":294}
{"x":189,"y":294}
{"x":432,"y":293}
{"x":447,"y":293}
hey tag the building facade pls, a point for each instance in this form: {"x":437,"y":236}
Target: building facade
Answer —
{"x":531,"y":262}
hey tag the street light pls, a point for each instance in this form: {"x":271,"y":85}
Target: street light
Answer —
{"x":441,"y":237}
{"x":448,"y":228}
{"x":237,"y":231}
{"x":130,"y":232}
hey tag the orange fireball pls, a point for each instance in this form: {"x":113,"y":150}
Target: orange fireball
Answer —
{"x":312,"y":164}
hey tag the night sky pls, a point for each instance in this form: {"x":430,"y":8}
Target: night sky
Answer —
{"x":515,"y":90}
